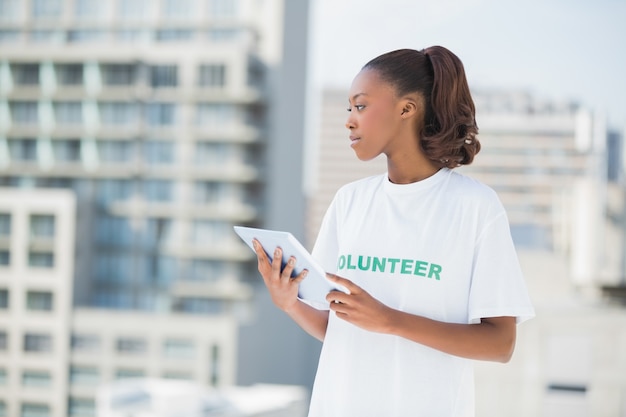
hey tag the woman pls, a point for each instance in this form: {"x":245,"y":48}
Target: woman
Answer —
{"x":426,"y":253}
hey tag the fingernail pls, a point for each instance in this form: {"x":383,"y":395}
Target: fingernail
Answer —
{"x":276,"y":252}
{"x":292,"y":261}
{"x":305,"y":273}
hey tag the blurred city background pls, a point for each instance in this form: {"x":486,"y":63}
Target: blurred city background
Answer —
{"x":135,"y":133}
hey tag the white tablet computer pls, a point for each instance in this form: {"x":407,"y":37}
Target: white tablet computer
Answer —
{"x":316,"y":285}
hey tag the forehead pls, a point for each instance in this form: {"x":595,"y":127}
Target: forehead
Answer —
{"x":368,"y":82}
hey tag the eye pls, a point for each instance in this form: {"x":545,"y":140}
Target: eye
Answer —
{"x":359,"y":107}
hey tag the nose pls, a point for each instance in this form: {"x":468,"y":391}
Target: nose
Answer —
{"x":350,"y":122}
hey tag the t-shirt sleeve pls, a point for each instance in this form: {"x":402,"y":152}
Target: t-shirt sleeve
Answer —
{"x":497,"y":287}
{"x":326,"y":246}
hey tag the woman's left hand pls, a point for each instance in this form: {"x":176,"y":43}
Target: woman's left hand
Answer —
{"x":358,"y":307}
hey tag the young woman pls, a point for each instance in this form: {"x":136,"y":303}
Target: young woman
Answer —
{"x":426,"y":253}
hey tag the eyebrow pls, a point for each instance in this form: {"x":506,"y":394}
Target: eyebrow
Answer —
{"x":357,"y":95}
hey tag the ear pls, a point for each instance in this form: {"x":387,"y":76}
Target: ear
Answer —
{"x":409,"y":108}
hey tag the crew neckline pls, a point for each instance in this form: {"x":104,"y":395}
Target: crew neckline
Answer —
{"x":415,"y":186}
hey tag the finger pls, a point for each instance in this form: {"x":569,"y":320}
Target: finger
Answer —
{"x":300,"y":277}
{"x":351,"y":286}
{"x":337,"y":297}
{"x":277,"y":260}
{"x":288,"y":270}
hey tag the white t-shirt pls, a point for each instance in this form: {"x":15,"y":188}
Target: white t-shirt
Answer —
{"x":439,"y":248}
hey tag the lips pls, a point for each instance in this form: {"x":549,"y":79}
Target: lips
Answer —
{"x":354,"y":140}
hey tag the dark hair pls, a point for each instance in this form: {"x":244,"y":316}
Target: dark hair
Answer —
{"x":448,"y":135}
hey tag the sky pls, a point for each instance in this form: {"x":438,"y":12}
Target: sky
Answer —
{"x":561,"y":50}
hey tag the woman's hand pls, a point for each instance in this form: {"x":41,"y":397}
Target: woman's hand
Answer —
{"x":283,"y":289}
{"x":359,"y":307}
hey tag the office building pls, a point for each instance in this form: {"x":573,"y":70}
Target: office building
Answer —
{"x":160,"y":117}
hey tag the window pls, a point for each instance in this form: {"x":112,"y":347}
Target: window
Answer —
{"x":178,"y":348}
{"x":158,"y":190}
{"x":128,"y":373}
{"x":24,"y":150}
{"x":69,"y":74}
{"x":4,"y":299}
{"x":118,"y":113}
{"x":89,"y":9}
{"x":5,"y":257}
{"x":212,"y":75}
{"x":39,"y":259}
{"x":185,"y":376}
{"x":86,"y":35}
{"x":9,"y":10}
{"x":158,"y":151}
{"x":4,"y":340}
{"x":113,"y":267}
{"x":109,"y":190}
{"x":171,"y":35}
{"x":66,"y":150}
{"x":209,"y":232}
{"x":36,"y":342}
{"x":131,"y":345}
{"x":163,"y":76}
{"x":208,"y":192}
{"x":46,"y":9}
{"x":5,"y":224}
{"x":68,"y":113}
{"x":161,"y":269}
{"x":115,"y":151}
{"x":39,"y":300}
{"x":179,"y":9}
{"x":205,"y":270}
{"x":114,"y":230}
{"x":222,"y":8}
{"x":26,"y":74}
{"x":108,"y":298}
{"x":35,"y":410}
{"x":84,"y":375}
{"x":81,"y":407}
{"x":158,"y":231}
{"x":47,"y":36}
{"x":199,"y":305}
{"x":223,"y":35}
{"x":85,"y":343}
{"x":42,"y":226}
{"x":24,"y":112}
{"x":160,"y":114}
{"x":215,"y":365}
{"x":36,"y":379}
{"x":215,"y":114}
{"x":135,"y":9}
{"x":118,"y":74}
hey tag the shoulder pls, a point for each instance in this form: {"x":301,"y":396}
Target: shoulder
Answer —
{"x":363,"y":185}
{"x":469,"y":191}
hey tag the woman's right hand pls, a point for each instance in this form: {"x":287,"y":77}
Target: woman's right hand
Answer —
{"x":283,"y":289}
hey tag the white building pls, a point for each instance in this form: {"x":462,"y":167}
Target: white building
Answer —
{"x":161,"y":117}
{"x":36,"y":274}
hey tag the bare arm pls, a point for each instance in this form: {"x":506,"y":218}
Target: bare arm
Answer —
{"x":284,"y":292}
{"x":493,"y":339}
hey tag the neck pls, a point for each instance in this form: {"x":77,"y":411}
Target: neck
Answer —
{"x":410,"y":170}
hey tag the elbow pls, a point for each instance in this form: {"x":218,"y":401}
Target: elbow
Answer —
{"x":505,"y":353}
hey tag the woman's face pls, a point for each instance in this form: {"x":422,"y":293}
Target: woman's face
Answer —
{"x":375,"y":116}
